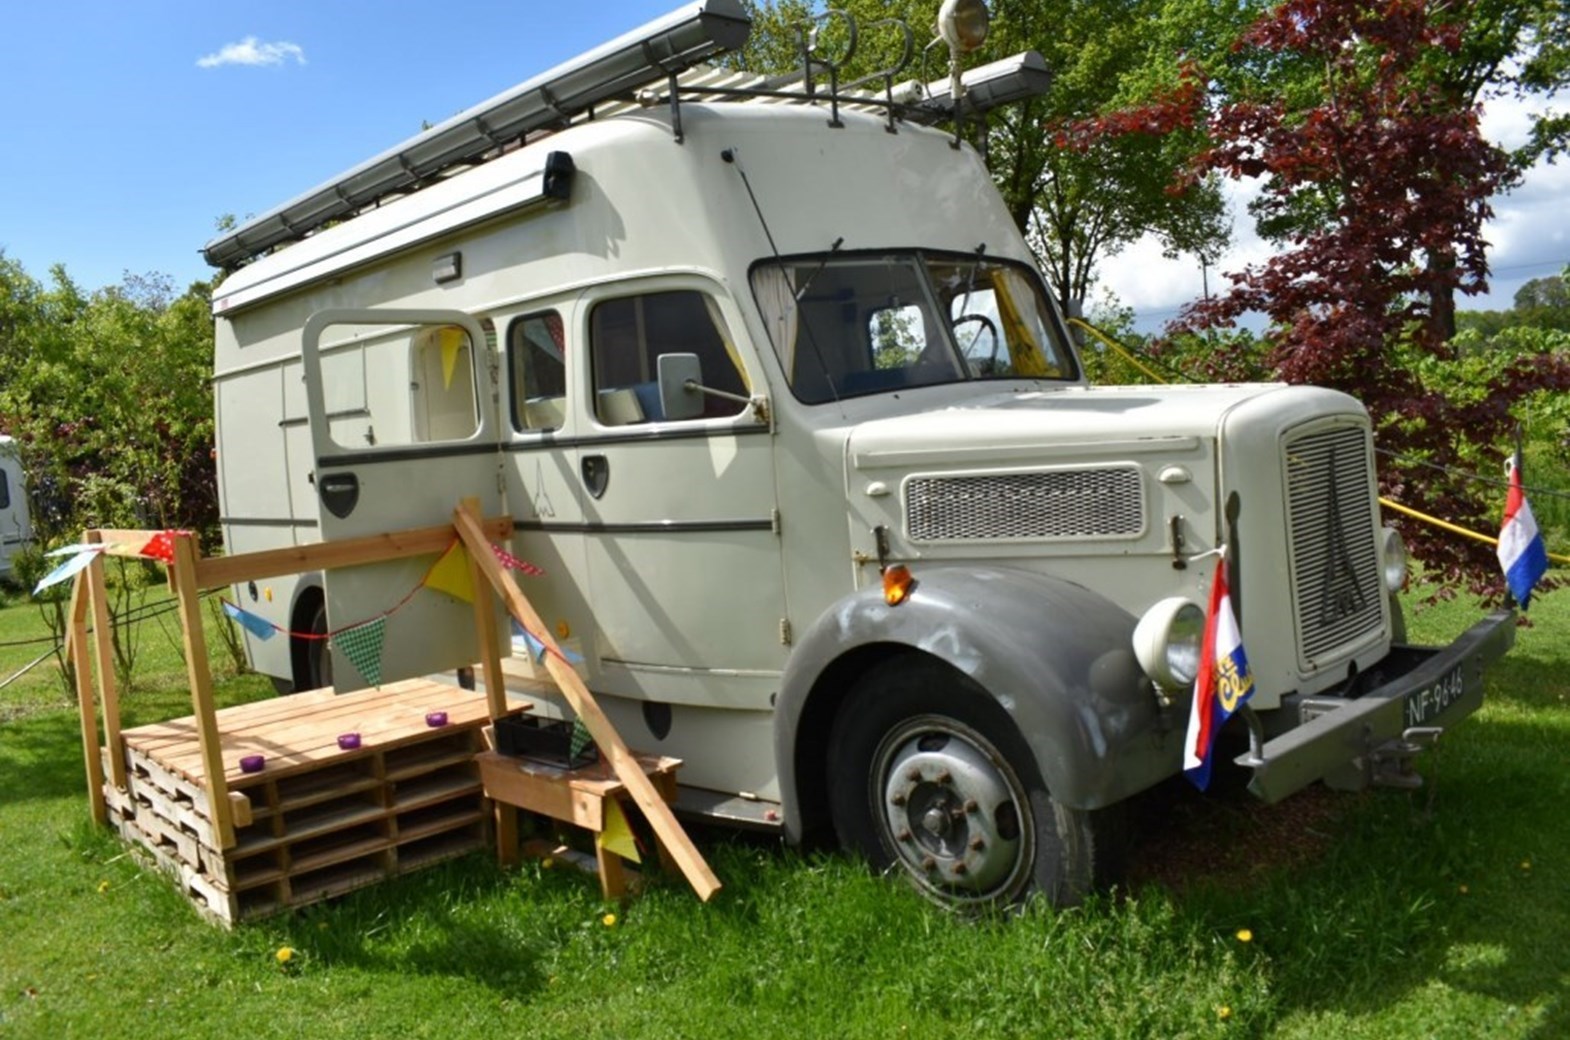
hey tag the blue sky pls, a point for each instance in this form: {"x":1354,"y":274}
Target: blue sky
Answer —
{"x":123,"y":145}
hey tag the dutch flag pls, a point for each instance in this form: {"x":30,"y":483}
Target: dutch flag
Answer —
{"x":1521,"y":551}
{"x":1224,"y":683}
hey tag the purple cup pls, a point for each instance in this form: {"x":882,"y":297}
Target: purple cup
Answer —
{"x":252,"y":763}
{"x":435,"y":718}
{"x":348,"y":741}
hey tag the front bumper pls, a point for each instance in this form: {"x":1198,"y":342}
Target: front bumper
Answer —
{"x":1381,"y":719}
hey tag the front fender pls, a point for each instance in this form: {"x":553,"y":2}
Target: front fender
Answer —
{"x":1056,"y":656}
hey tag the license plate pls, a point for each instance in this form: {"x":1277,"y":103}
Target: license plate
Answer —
{"x":1430,"y":701}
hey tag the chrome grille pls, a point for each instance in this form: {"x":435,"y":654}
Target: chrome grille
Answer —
{"x":1336,"y":585}
{"x":1080,"y":503}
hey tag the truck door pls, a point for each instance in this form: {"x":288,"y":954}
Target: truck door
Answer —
{"x":683,"y":557}
{"x":402,"y":407}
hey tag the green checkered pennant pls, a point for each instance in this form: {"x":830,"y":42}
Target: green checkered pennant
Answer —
{"x":362,"y":645}
{"x":581,"y":739}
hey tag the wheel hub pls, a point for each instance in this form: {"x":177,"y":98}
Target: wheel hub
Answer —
{"x":954,"y":814}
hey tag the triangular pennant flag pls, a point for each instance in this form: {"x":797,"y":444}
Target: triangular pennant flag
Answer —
{"x":450,"y":574}
{"x":616,"y":836}
{"x":452,"y":342}
{"x":161,"y":547}
{"x":68,"y":569}
{"x":362,"y":645}
{"x":580,"y":741}
{"x":259,"y":627}
{"x":72,"y":550}
{"x":537,"y":649}
{"x":507,"y":559}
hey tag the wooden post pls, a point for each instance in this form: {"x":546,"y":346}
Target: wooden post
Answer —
{"x":627,"y":768}
{"x":182,"y":573}
{"x":485,"y":624}
{"x":76,"y":653}
{"x":103,"y":641}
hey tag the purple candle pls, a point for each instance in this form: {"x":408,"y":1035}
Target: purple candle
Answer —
{"x":252,"y":763}
{"x":435,"y":718}
{"x":349,"y":741}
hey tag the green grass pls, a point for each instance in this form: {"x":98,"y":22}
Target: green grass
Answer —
{"x":1441,"y":913}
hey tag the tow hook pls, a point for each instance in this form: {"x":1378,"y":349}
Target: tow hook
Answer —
{"x":1390,"y":764}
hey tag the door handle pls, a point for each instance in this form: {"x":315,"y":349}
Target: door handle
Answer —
{"x":340,"y":493}
{"x":596,"y":473}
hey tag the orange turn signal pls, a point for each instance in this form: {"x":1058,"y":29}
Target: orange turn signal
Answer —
{"x":897,"y":583}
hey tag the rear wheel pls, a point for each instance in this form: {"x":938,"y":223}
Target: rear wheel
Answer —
{"x":930,"y":776}
{"x":318,"y":656}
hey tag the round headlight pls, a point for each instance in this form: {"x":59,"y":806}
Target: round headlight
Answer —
{"x":963,"y":24}
{"x":1393,"y":555}
{"x":1167,"y":641}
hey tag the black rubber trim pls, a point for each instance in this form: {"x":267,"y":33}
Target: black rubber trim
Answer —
{"x":647,"y":527}
{"x":549,"y":439}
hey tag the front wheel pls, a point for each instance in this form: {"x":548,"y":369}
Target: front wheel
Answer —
{"x":931,"y":776}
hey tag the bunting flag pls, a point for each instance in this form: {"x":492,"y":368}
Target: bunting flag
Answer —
{"x":1224,"y":683}
{"x":615,"y":836}
{"x":73,"y":565}
{"x":507,"y":559}
{"x":580,"y":741}
{"x":1522,"y":553}
{"x":161,"y":547}
{"x":362,"y":645}
{"x":537,"y":649}
{"x":450,"y":574}
{"x":259,"y":627}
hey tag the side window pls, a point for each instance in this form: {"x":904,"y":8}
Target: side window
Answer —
{"x":627,"y":337}
{"x":5,"y":490}
{"x":536,"y":362}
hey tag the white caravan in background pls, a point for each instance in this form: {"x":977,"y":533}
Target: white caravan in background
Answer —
{"x":770,"y":386}
{"x":16,"y":524}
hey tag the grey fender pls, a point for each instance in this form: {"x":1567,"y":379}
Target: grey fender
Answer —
{"x":1055,"y":655}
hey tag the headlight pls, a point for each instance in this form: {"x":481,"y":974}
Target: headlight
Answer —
{"x":1166,"y":642}
{"x":963,"y":24}
{"x":1393,"y":553}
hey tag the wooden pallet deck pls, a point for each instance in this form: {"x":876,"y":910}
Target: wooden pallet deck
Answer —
{"x":318,"y":820}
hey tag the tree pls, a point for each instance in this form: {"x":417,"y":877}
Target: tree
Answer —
{"x":1076,"y":207}
{"x":1398,"y":177}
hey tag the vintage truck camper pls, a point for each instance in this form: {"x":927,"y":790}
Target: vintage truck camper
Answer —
{"x":772,"y":390}
{"x":16,"y":524}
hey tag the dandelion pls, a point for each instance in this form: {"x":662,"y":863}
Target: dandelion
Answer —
{"x":1244,"y":935}
{"x":103,"y":886}
{"x":1526,"y":864}
{"x":285,"y":954}
{"x":1463,"y":890}
{"x":1223,"y":1012}
{"x":609,"y":920}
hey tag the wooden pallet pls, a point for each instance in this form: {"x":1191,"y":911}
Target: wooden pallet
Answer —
{"x":317,"y":820}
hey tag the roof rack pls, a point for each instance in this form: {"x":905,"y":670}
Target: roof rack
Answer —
{"x":659,"y":63}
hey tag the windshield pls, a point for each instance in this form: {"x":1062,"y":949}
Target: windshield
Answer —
{"x":844,"y":326}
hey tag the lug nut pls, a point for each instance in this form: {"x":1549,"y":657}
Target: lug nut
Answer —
{"x":898,"y":799}
{"x":913,"y":774}
{"x":929,"y":864}
{"x":959,"y":869}
{"x":904,"y":834}
{"x":970,"y":805}
{"x":977,"y":844}
{"x":945,"y":777}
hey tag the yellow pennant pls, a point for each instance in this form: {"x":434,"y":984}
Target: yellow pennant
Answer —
{"x":452,"y":342}
{"x":450,"y":574}
{"x":617,"y":836}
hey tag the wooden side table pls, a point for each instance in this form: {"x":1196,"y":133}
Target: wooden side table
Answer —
{"x":575,"y":796}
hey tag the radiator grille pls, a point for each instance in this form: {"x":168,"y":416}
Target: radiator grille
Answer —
{"x":1085,"y":503}
{"x":1336,"y":584}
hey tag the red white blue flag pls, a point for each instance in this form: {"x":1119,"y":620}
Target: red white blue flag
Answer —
{"x":1224,"y":683}
{"x":1522,"y":553}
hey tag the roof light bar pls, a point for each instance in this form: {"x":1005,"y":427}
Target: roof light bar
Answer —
{"x":988,"y":87}
{"x":662,"y":48}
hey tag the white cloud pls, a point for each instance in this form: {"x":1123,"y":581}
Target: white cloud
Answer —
{"x":251,"y":51}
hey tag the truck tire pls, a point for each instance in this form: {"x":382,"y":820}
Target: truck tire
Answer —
{"x":930,"y":777}
{"x":318,"y":655}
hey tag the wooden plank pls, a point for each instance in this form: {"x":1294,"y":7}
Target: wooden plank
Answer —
{"x":220,"y":571}
{"x":655,"y":809}
{"x":76,"y":653}
{"x":485,"y":625}
{"x":507,"y":780}
{"x":103,"y":641}
{"x":183,"y":574}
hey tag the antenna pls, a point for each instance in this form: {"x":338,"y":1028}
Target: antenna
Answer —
{"x":659,"y":50}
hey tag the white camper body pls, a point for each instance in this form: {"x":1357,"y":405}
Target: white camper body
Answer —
{"x":732,"y":366}
{"x":16,"y":524}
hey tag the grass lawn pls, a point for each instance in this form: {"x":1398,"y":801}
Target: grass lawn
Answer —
{"x":1443,"y":913}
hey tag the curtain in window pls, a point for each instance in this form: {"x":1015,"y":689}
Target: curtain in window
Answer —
{"x":776,"y":293}
{"x":730,"y":348}
{"x":1025,"y":349}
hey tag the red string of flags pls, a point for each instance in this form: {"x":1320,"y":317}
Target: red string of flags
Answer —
{"x":158,"y":547}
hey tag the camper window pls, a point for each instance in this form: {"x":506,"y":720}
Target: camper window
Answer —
{"x":627,"y":337}
{"x":445,"y":408}
{"x":5,"y":490}
{"x":536,"y":356}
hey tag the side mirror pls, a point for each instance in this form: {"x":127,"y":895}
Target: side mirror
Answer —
{"x":681,"y":382}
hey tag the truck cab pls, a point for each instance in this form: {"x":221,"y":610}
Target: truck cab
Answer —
{"x":777,"y":400}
